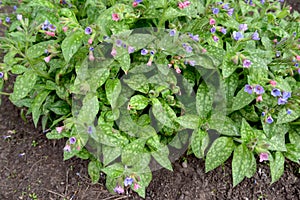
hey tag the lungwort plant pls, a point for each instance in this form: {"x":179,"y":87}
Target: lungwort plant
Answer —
{"x":133,"y":85}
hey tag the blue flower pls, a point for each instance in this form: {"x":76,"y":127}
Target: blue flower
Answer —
{"x":237,"y":35}
{"x":192,"y":62}
{"x":278,"y":53}
{"x":1,"y":74}
{"x":90,"y":130}
{"x":172,"y":32}
{"x":130,"y":49}
{"x":195,"y":38}
{"x":72,"y":140}
{"x":255,"y":36}
{"x":118,"y":43}
{"x":88,"y":30}
{"x":213,"y":30}
{"x":243,"y":27}
{"x":262,"y":1}
{"x":144,"y":52}
{"x":286,"y":95}
{"x":51,"y":27}
{"x":281,"y":101}
{"x":269,"y":120}
{"x":225,"y":6}
{"x":223,"y":30}
{"x":152,"y":52}
{"x":189,"y":49}
{"x":15,"y":7}
{"x":275,"y":92}
{"x":259,"y":89}
{"x":128,"y":181}
{"x":215,"y":10}
{"x":248,"y":89}
{"x":230,"y":11}
{"x":7,"y":19}
{"x":263,"y":114}
{"x":288,"y":111}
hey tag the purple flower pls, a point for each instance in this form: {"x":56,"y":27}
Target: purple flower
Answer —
{"x":172,"y":32}
{"x":223,"y":30}
{"x":263,"y":114}
{"x":237,"y":35}
{"x":189,"y":49}
{"x":246,"y":63}
{"x":278,"y":53}
{"x":118,"y":43}
{"x":19,"y":17}
{"x":269,"y":120}
{"x":51,"y":27}
{"x":286,"y":95}
{"x":7,"y":19}
{"x":91,"y":48}
{"x":192,"y":62}
{"x":225,"y":6}
{"x":144,"y":51}
{"x":213,"y":30}
{"x":262,"y":1}
{"x":215,"y":10}
{"x":195,"y":38}
{"x":215,"y":38}
{"x":1,"y":74}
{"x":275,"y":92}
{"x":130,"y":49}
{"x":281,"y":101}
{"x":296,"y":64}
{"x":67,"y":148}
{"x":138,"y":1}
{"x":248,"y":89}
{"x":90,"y":130}
{"x":88,"y":30}
{"x":288,"y":111}
{"x":118,"y":189}
{"x":72,"y":140}
{"x":230,"y":11}
{"x":259,"y":90}
{"x":15,"y":7}
{"x":298,"y":70}
{"x":255,"y":36}
{"x":128,"y":181}
{"x":243,"y":27}
{"x":263,"y":157}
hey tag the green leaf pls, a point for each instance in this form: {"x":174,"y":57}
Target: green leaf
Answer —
{"x":43,"y":3}
{"x":161,"y":156}
{"x":36,"y":105}
{"x":139,"y":40}
{"x":60,"y":108}
{"x":294,"y":137}
{"x":54,"y":135}
{"x":247,"y":133}
{"x":230,"y":84}
{"x":138,"y":102}
{"x":283,"y":117}
{"x":252,"y":166}
{"x":114,"y":171}
{"x":71,"y":44}
{"x":23,"y":85}
{"x":293,"y":153}
{"x":199,"y":142}
{"x":228,"y":67}
{"x":249,"y":113}
{"x":242,"y":99}
{"x":277,"y":166}
{"x":204,"y":100}
{"x":133,"y":153}
{"x":138,"y":82}
{"x":188,"y":121}
{"x":224,"y":125}
{"x":113,"y":90}
{"x":89,"y":109}
{"x":110,"y":154}
{"x":38,"y":49}
{"x":163,"y":115}
{"x":18,"y":69}
{"x":204,"y":61}
{"x":124,"y":61}
{"x":219,"y":152}
{"x":240,"y":164}
{"x":277,"y":142}
{"x":94,"y":169}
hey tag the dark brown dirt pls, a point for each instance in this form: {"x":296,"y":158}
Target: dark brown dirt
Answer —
{"x":32,"y":165}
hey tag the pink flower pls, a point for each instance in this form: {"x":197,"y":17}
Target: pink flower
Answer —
{"x":78,"y":148}
{"x":204,"y":50}
{"x":186,"y":3}
{"x":65,"y":28}
{"x":178,"y":71}
{"x":67,"y":148}
{"x":136,"y":186}
{"x":181,"y":5}
{"x":118,"y":189}
{"x":90,"y":41}
{"x":113,"y":52}
{"x":259,"y":98}
{"x":59,"y":129}
{"x":273,"y":83}
{"x":47,"y":59}
{"x":275,"y":40}
{"x":263,"y":157}
{"x":134,"y":4}
{"x":212,"y":21}
{"x":169,"y":65}
{"x":215,"y":38}
{"x":52,"y":34}
{"x":91,"y":56}
{"x":115,"y":17}
{"x":298,"y":57}
{"x":149,"y":63}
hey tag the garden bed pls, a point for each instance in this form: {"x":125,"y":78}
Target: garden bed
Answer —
{"x":32,"y":167}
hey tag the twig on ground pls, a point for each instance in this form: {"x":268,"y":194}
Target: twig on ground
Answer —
{"x":50,"y":191}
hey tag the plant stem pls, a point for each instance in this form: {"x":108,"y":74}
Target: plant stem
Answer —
{"x":5,"y":93}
